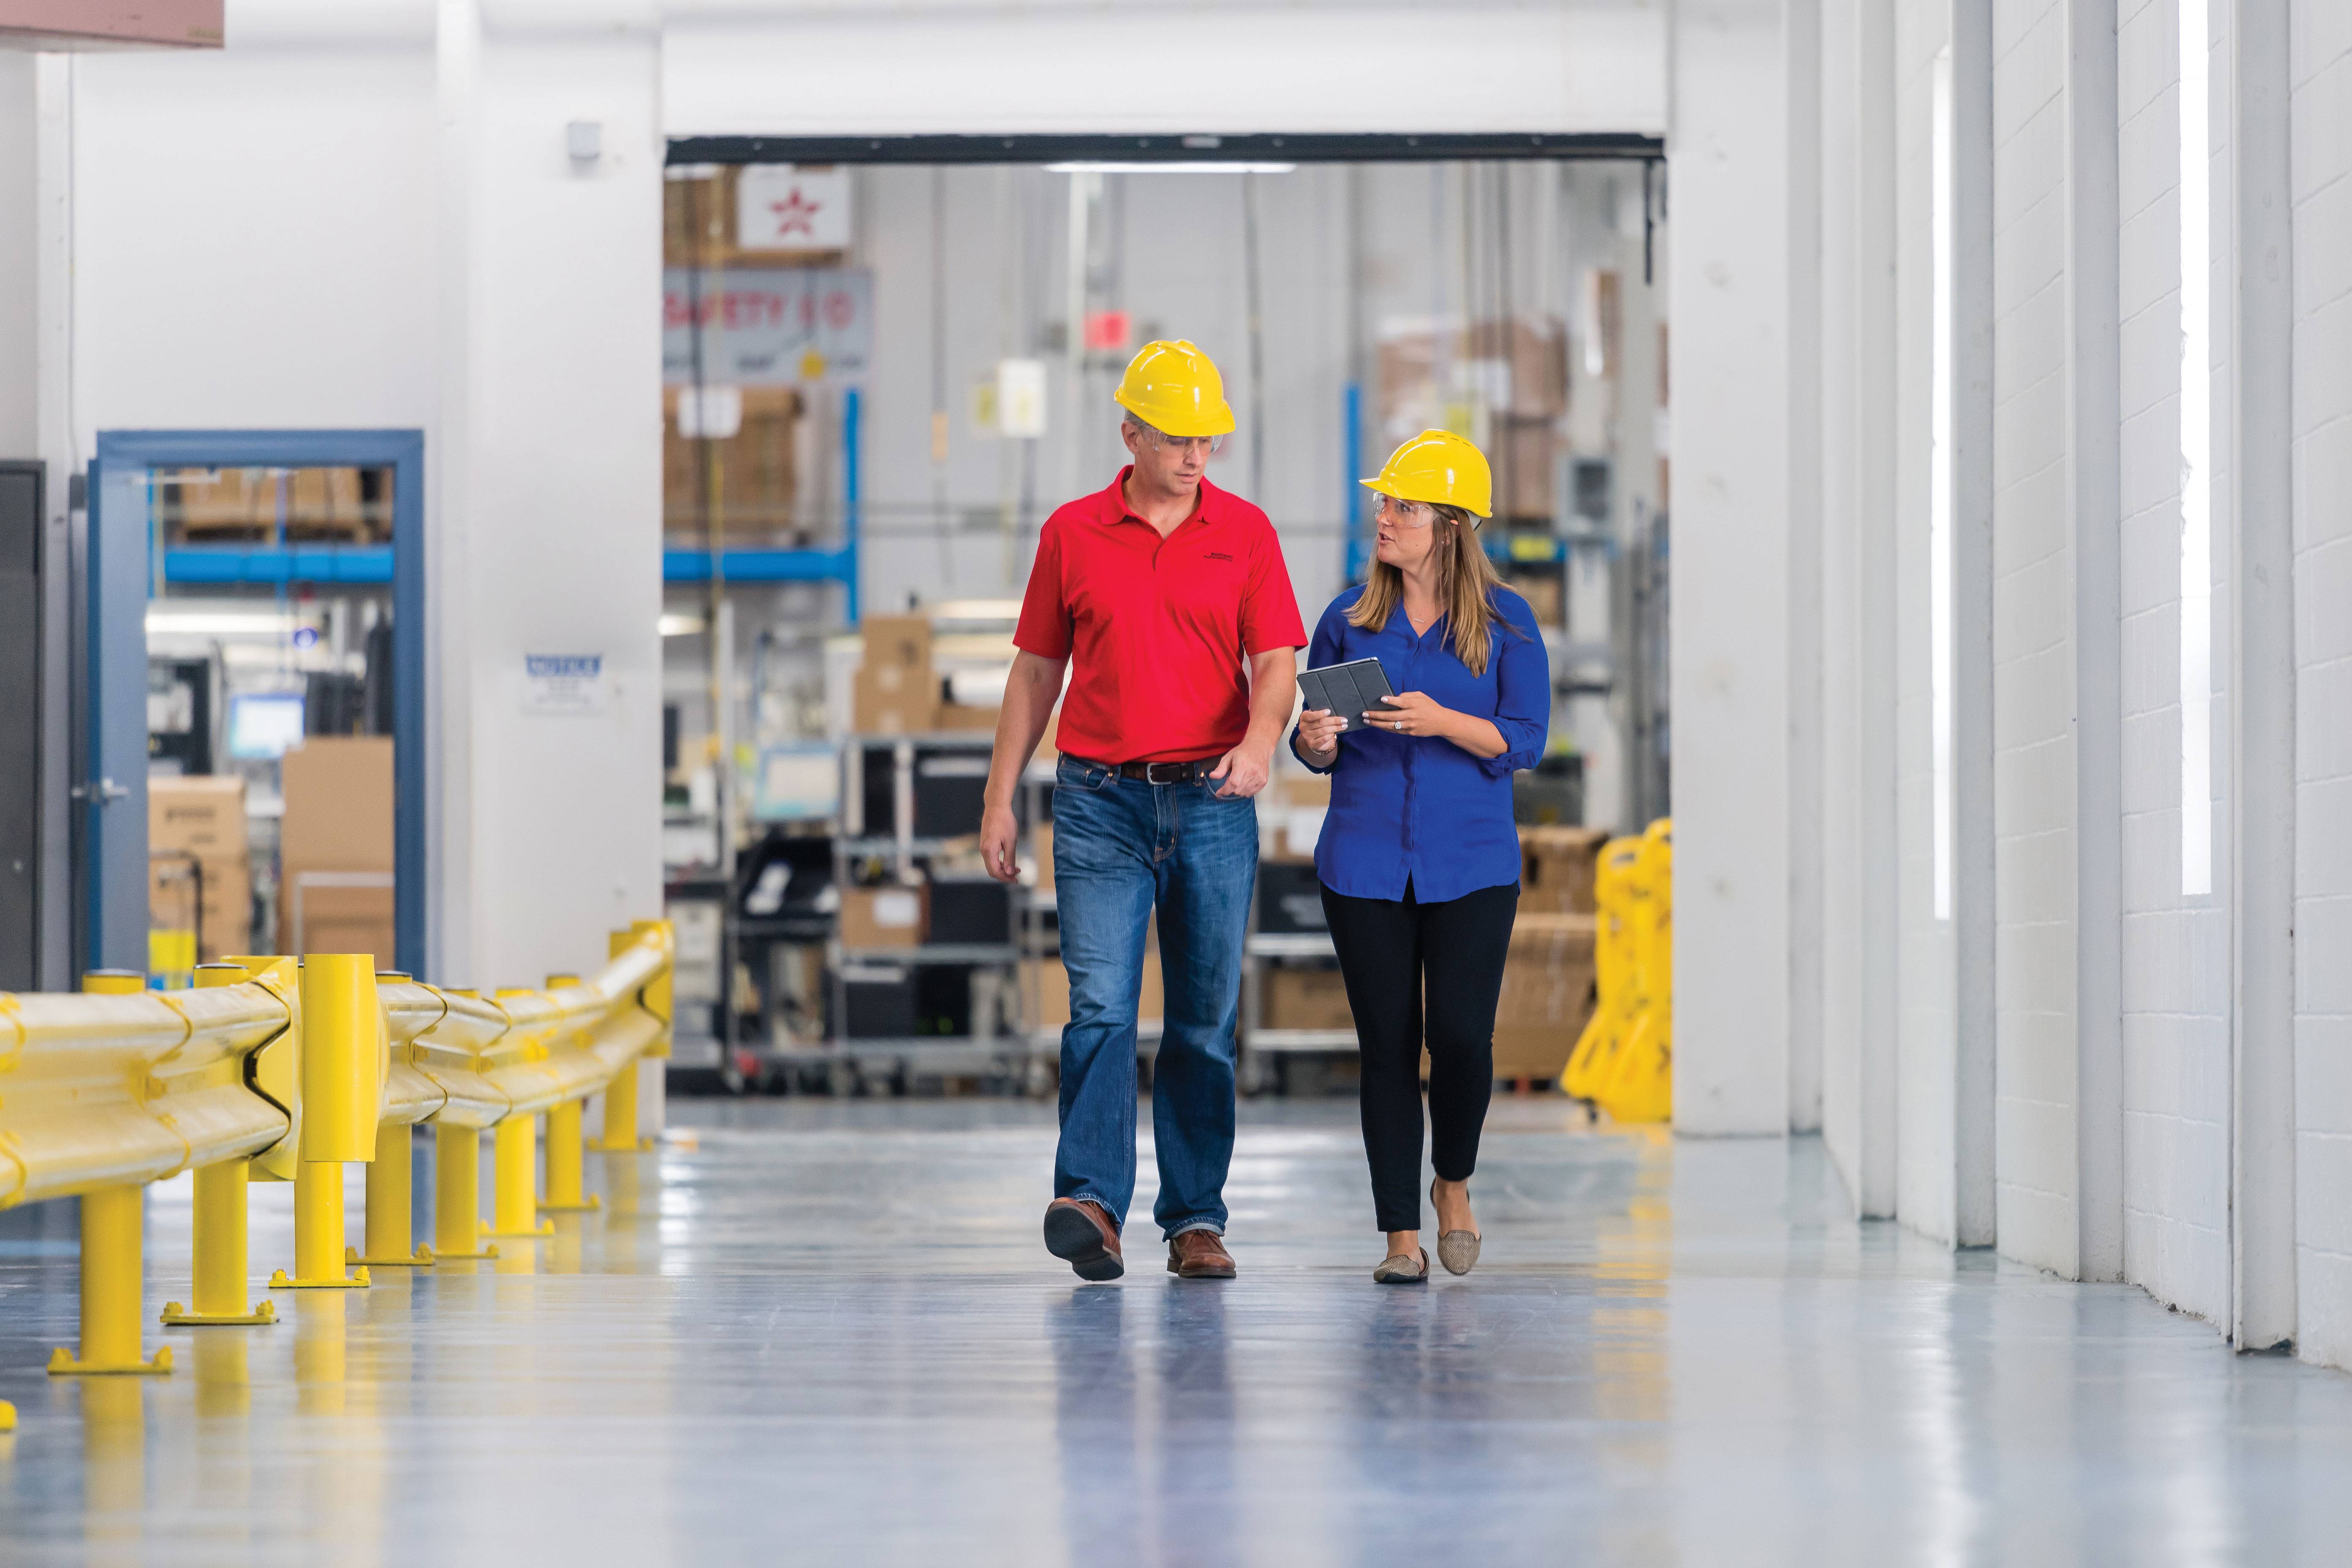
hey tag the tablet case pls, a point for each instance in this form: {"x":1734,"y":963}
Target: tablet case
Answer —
{"x":1348,"y":690}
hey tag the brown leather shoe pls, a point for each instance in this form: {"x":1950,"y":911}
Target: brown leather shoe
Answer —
{"x":1079,"y":1232}
{"x":1198,"y":1254}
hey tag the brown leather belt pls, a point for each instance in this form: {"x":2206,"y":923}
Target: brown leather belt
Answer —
{"x":1156,"y":773}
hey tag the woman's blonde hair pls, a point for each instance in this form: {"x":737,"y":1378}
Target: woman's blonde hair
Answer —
{"x":1465,"y":590}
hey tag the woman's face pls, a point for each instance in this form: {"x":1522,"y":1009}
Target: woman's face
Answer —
{"x":1407,"y":531}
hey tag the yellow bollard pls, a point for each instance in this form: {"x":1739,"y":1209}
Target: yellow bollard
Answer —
{"x":620,"y":1134}
{"x":564,"y":1180}
{"x":221,"y":1253}
{"x":390,"y":1191}
{"x":111,"y":1275}
{"x":343,"y":1085}
{"x":458,"y":1195}
{"x":514,"y":1199}
{"x":563,"y":1174}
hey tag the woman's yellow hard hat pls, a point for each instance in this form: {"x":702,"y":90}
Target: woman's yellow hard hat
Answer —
{"x":1174,"y":388}
{"x":1440,"y":467}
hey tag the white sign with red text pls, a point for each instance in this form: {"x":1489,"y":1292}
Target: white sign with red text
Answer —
{"x":788,"y":207}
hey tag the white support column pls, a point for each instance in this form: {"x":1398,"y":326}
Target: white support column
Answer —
{"x":1972,"y":906}
{"x":1731,"y":636}
{"x":2095,"y":505}
{"x":550,"y":484}
{"x":2263,"y":682}
{"x":1816,"y":659}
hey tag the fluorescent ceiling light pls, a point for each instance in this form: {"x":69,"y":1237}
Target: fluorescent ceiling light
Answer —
{"x":681,"y":625}
{"x":1171,"y":168}
{"x":221,"y":623}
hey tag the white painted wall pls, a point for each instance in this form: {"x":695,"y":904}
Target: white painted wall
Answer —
{"x":1731,"y":681}
{"x":19,"y":258}
{"x":1327,"y":65}
{"x":2322,"y":260}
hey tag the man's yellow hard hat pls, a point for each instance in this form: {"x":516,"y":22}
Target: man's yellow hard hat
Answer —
{"x":1175,"y":388}
{"x":1440,"y":467}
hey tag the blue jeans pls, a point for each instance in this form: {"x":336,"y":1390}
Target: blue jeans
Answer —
{"x":1121,"y":847}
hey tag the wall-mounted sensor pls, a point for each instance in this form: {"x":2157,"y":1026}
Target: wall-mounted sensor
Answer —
{"x":584,"y":140}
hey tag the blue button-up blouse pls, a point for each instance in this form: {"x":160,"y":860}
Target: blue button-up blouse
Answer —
{"x":1415,"y":807}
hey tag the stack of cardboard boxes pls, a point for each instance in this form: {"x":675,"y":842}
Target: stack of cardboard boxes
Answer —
{"x":745,"y":481}
{"x":195,"y":829}
{"x":1548,"y":979}
{"x":339,"y":821}
{"x":1504,"y":383}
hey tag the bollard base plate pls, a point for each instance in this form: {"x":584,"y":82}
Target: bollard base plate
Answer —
{"x":484,"y":1256}
{"x":359,"y":1281}
{"x":546,"y":1227}
{"x":594,"y":1205}
{"x":421,"y":1258}
{"x":641,"y":1146}
{"x":177,"y":1316}
{"x":62,"y":1364}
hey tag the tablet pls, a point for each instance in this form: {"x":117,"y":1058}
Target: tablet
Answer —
{"x":1350,"y":690}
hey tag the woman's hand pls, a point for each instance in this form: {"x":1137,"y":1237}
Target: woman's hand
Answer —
{"x":1414,"y":714}
{"x":1319,"y":732}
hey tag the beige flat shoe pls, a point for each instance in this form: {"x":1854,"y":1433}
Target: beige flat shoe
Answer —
{"x":1457,"y":1249}
{"x":1398,"y":1269}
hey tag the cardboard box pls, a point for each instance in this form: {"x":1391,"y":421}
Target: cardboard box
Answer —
{"x":1547,"y":995}
{"x":1305,"y":999}
{"x":903,"y":641}
{"x":1543,"y":597}
{"x":886,"y":916}
{"x":1524,"y":454}
{"x":897,"y":699}
{"x":1045,"y":992}
{"x":227,"y":923}
{"x":203,"y":817}
{"x":1303,"y":789}
{"x":758,"y":467}
{"x":1042,"y":836}
{"x":1556,"y":869}
{"x":956,"y":716}
{"x":339,"y":819}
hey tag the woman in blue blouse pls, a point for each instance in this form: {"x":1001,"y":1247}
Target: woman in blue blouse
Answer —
{"x":1420,"y":858}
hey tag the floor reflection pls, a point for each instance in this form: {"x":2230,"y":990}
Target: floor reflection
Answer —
{"x":827,"y":1333}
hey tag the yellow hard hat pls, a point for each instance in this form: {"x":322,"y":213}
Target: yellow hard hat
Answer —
{"x":1175,"y":388}
{"x":1440,"y":468}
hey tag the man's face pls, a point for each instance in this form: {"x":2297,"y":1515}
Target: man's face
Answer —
{"x":1169,"y":464}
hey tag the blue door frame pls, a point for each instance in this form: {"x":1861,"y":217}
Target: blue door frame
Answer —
{"x":122,"y":573}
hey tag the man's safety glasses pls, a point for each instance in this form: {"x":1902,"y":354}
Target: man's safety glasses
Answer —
{"x":1210,"y":446}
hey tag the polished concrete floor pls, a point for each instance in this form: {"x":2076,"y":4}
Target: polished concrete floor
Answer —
{"x":817,"y":1332}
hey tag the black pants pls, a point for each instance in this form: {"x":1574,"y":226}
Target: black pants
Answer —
{"x":1393,"y":953}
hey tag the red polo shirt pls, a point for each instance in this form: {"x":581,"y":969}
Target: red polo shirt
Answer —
{"x":1158,"y":630}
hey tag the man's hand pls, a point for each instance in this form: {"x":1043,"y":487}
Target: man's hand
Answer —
{"x":999,"y":832}
{"x":1245,"y":770}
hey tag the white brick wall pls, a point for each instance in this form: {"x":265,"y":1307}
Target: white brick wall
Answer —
{"x":2176,"y":951}
{"x":2323,"y":511}
{"x":2033,"y":813}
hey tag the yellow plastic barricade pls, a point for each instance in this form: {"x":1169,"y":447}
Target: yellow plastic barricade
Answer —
{"x":1623,"y":1062}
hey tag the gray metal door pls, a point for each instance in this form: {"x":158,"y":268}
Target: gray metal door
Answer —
{"x":112,"y":791}
{"x":21,"y":670}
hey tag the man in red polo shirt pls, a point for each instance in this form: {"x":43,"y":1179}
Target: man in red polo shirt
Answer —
{"x":1171,"y":599}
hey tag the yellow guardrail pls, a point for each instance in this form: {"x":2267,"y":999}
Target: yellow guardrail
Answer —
{"x":1623,"y":1062}
{"x":277,"y":1068}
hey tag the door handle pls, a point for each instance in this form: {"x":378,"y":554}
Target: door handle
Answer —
{"x":105,"y":792}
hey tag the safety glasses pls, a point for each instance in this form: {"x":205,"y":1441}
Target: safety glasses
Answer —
{"x":1209,"y":445}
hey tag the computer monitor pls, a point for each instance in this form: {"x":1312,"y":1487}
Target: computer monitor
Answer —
{"x":264,"y":724}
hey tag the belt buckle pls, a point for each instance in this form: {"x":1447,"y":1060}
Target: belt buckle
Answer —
{"x":1182,"y":772}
